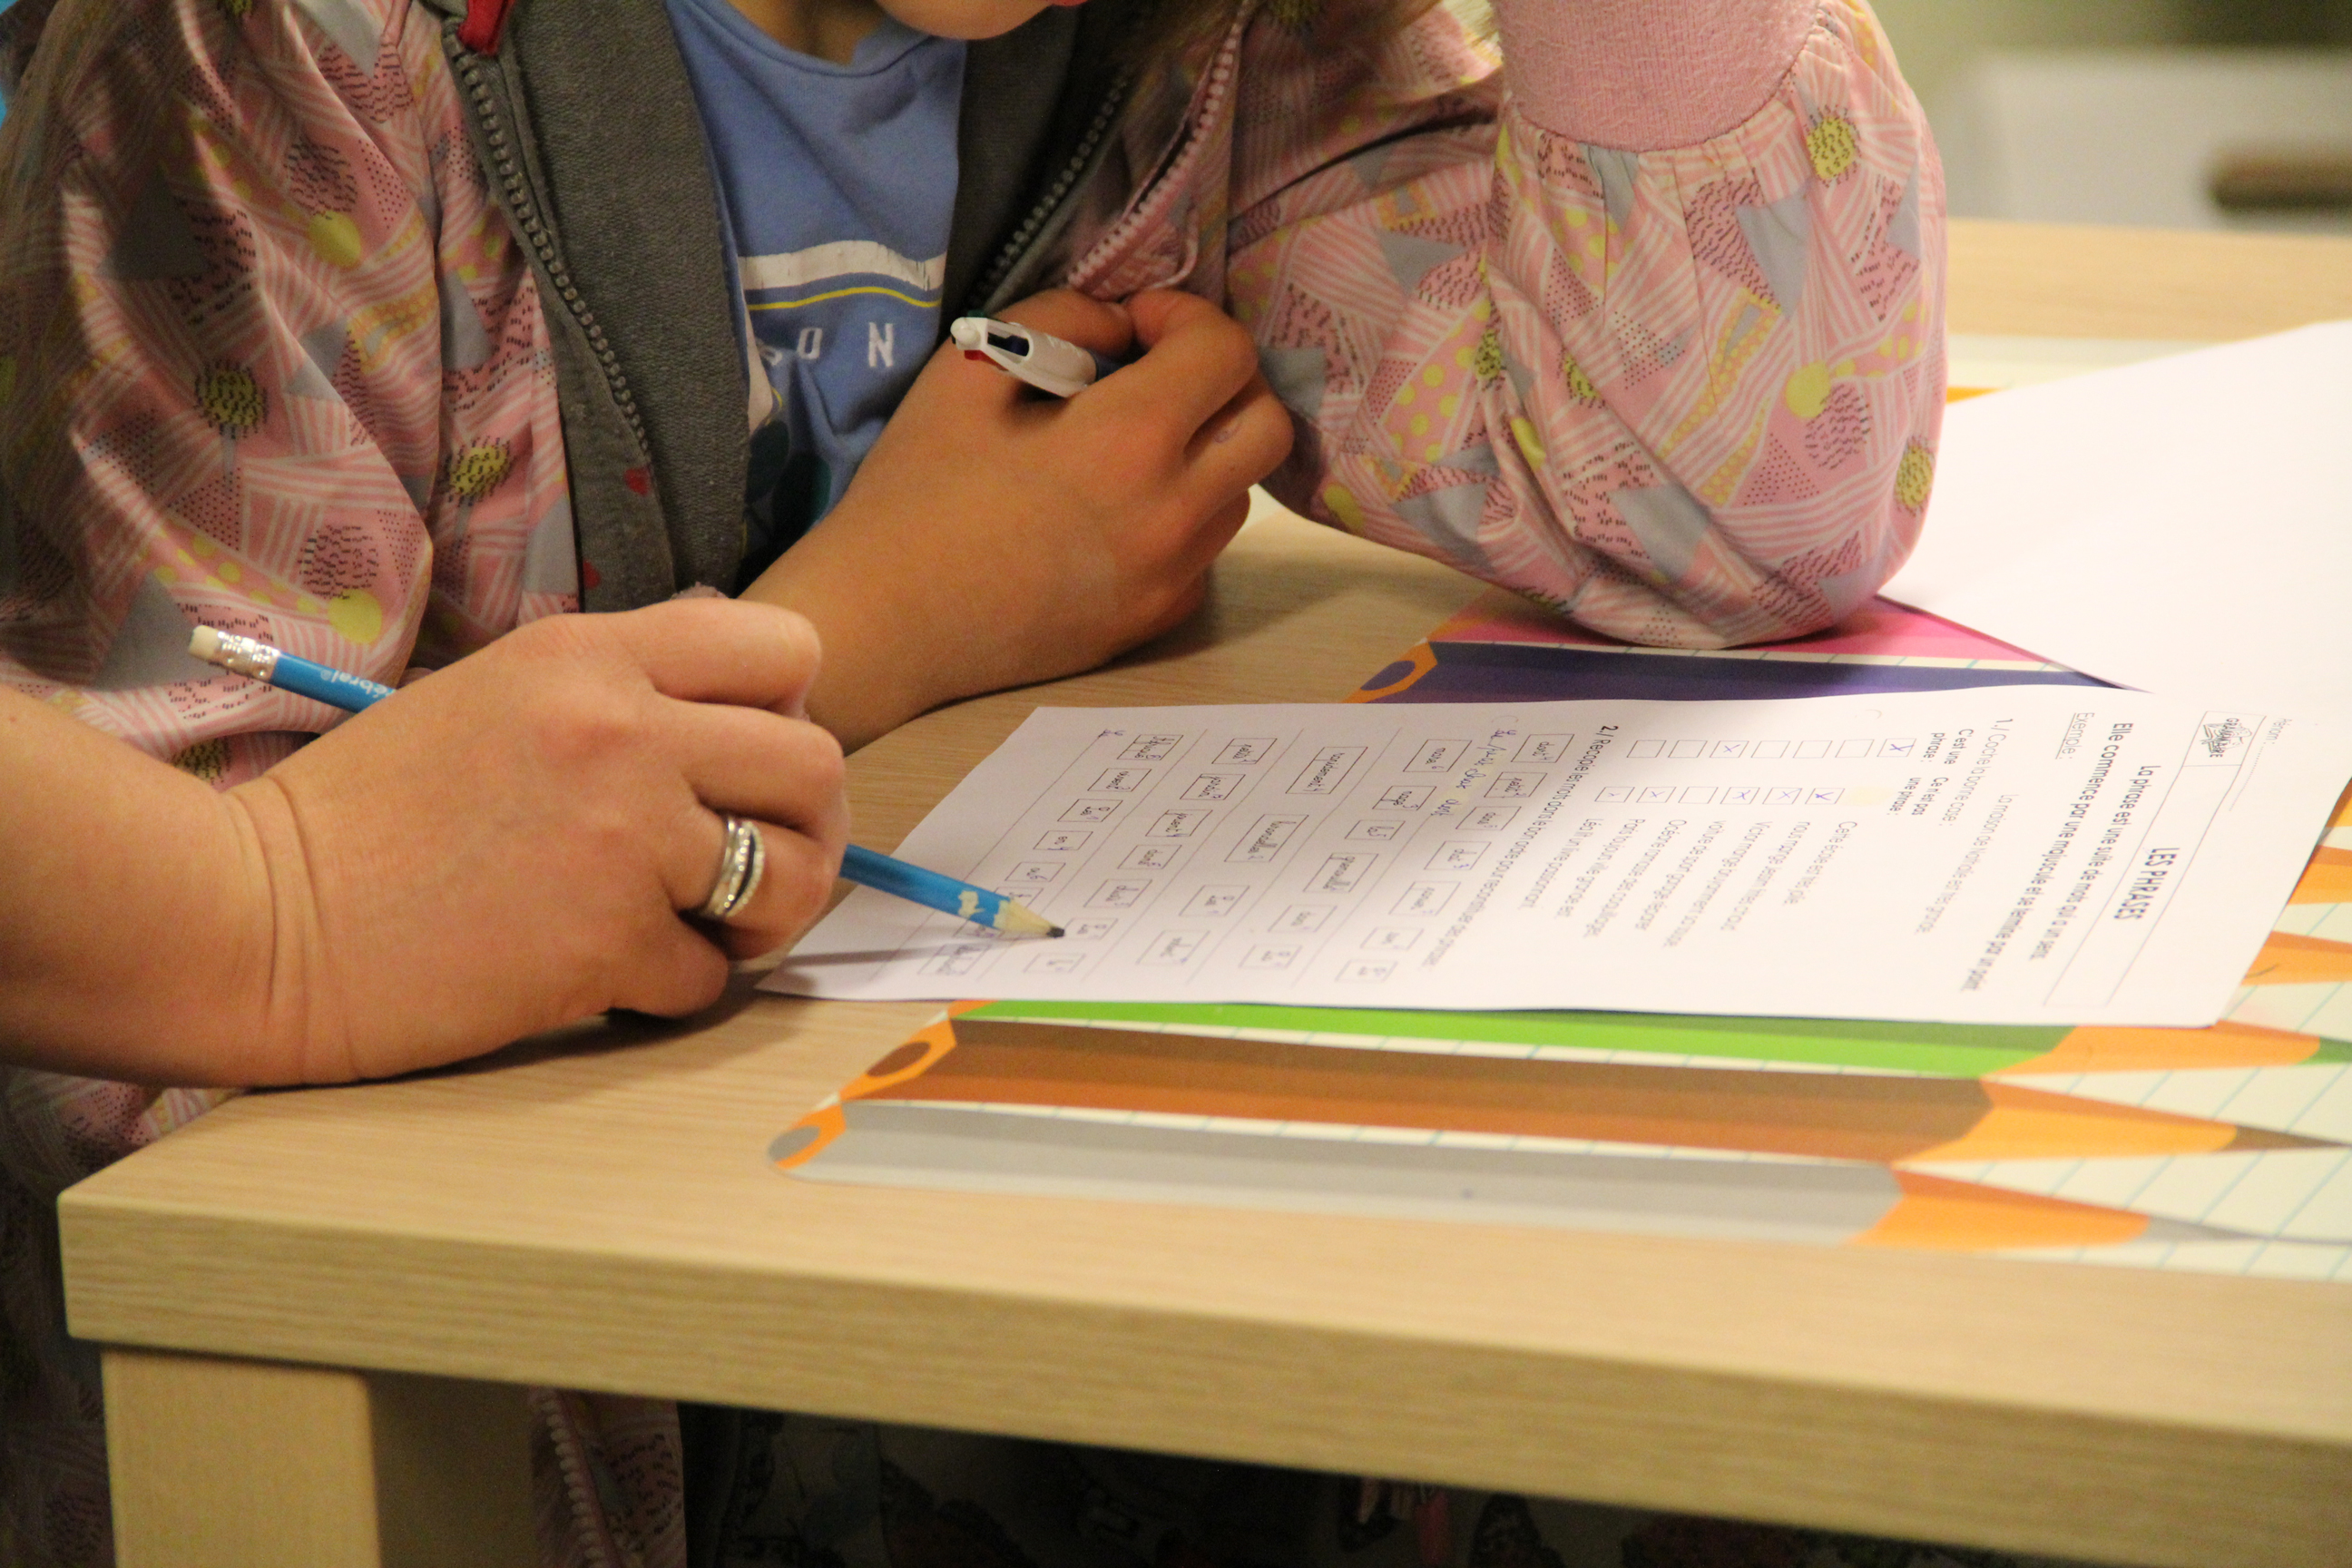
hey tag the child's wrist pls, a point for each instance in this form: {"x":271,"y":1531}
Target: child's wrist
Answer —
{"x":874,"y":674}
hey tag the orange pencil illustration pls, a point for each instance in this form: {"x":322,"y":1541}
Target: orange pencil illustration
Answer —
{"x":882,"y":1133}
{"x":2290,"y":960}
{"x":1883,"y":1118}
{"x":2326,"y":880}
{"x":2100,"y":1049}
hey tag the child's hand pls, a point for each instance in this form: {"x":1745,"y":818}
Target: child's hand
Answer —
{"x":996,"y":536}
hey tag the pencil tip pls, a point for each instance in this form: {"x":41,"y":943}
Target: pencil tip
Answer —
{"x":1057,"y":930}
{"x":2249,"y":1140}
{"x":1015,"y":919}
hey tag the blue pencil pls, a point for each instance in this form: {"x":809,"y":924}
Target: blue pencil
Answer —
{"x":932,"y":891}
{"x":274,"y":667}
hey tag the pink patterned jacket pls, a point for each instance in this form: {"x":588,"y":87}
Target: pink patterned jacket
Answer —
{"x":1645,"y":325}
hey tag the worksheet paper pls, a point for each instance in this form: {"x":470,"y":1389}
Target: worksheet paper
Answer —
{"x":2021,"y":855}
{"x":2182,"y":526}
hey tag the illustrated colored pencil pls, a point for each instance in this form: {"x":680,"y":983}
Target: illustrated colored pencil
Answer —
{"x":2103,"y":1049}
{"x":894,"y":1144}
{"x":258,"y":660}
{"x":2326,"y":880}
{"x":2286,"y":959}
{"x":1952,"y":1050}
{"x":1885,"y":1118}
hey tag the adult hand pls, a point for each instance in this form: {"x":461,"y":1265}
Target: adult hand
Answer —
{"x":496,"y":849}
{"x":996,"y":536}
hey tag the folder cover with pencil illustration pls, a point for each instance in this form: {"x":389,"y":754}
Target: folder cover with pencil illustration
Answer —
{"x":2217,"y":1149}
{"x":986,"y":1103}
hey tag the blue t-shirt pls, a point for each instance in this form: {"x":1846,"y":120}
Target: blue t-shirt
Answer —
{"x":839,"y":185}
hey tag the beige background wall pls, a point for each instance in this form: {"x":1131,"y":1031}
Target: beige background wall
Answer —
{"x":1937,"y":38}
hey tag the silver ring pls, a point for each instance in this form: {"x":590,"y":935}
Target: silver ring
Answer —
{"x":742,"y":861}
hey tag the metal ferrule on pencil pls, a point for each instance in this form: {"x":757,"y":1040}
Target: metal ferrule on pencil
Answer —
{"x":246,"y":656}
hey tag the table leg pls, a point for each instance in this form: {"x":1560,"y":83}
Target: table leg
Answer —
{"x":218,"y":1463}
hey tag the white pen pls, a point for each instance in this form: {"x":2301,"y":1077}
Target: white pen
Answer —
{"x":1043,"y":361}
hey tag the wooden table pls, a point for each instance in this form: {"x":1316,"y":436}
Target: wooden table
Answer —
{"x":594,"y":1211}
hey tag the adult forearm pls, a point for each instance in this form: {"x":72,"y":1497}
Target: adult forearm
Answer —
{"x":135,"y":935}
{"x":499,"y":849}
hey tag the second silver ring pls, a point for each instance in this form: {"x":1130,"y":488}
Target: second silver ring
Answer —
{"x":742,"y":858}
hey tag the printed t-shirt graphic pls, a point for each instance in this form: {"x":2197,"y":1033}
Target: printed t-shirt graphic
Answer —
{"x":839,"y":183}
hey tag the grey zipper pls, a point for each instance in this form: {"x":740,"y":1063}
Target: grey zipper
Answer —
{"x":524,"y":211}
{"x":1079,"y":160}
